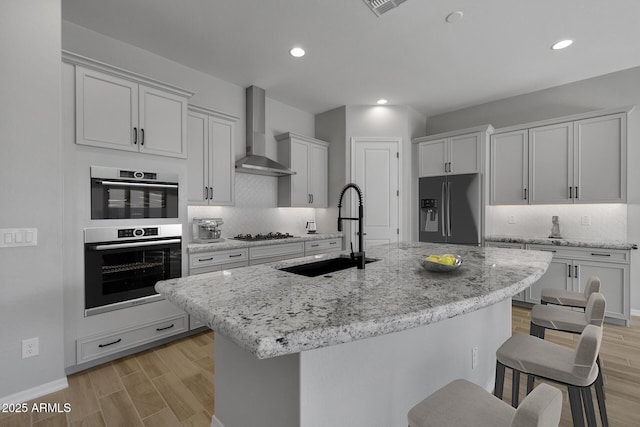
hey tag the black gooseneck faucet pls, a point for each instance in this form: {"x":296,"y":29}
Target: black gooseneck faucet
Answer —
{"x":360,"y":254}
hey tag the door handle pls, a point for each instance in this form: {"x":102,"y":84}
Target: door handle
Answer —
{"x":576,"y":273}
{"x":571,"y":192}
{"x":524,"y":191}
{"x":206,"y":193}
{"x":577,"y":197}
{"x":449,"y":208}
{"x":110,"y":343}
{"x":442,"y":200}
{"x":235,"y":255}
{"x":142,"y":136}
{"x":569,"y":270}
{"x":165,"y":328}
{"x":210,"y":193}
{"x":135,"y":136}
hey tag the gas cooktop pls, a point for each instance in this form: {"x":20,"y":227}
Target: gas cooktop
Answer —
{"x":263,"y":236}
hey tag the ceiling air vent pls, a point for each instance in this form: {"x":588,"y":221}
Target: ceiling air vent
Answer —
{"x":382,"y":6}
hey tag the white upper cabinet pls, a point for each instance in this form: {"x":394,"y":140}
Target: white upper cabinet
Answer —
{"x":600,"y":151}
{"x":568,"y":161}
{"x":551,"y":163}
{"x":211,"y":157}
{"x":309,"y":158}
{"x":509,"y":168}
{"x":124,"y":111}
{"x":453,"y":153}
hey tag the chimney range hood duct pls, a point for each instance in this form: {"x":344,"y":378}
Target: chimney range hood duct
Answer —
{"x":255,"y":161}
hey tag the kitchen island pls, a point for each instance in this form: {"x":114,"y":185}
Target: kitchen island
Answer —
{"x":353,"y":347}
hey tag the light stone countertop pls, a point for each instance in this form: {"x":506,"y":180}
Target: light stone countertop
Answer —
{"x":269,"y":312}
{"x":194,"y":248}
{"x":576,"y":243}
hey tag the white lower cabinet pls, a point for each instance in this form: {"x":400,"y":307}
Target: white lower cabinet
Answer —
{"x":571,"y":268}
{"x":207,"y":262}
{"x":96,"y":346}
{"x":316,"y":247}
{"x":272,"y":253}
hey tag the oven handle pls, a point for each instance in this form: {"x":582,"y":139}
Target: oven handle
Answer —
{"x":139,"y":184}
{"x":133,"y":244}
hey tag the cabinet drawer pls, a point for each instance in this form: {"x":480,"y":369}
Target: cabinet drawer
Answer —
{"x":270,"y":253}
{"x":207,"y":259}
{"x":218,"y":267}
{"x":591,"y":254}
{"x":90,"y":348}
{"x":322,"y":246}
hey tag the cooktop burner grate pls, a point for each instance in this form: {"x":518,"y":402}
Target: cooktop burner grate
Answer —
{"x":263,"y":236}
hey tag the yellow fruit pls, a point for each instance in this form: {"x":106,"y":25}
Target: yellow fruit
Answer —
{"x":447,"y":260}
{"x":433,"y":258}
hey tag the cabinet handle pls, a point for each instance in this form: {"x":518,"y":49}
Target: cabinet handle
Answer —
{"x":110,"y":343}
{"x":571,"y":192}
{"x":210,"y":193}
{"x":165,"y":328}
{"x":543,"y":250}
{"x":142,"y":138}
{"x":577,"y":196}
{"x":569,"y":270}
{"x":597,"y":254}
{"x":333,"y":243}
{"x":135,"y":136}
{"x":235,"y":255}
{"x":205,"y":259}
{"x":314,"y":246}
{"x":576,"y":274}
{"x":311,"y":197}
{"x":524,"y":191}
{"x":449,"y":167}
{"x":206,"y":193}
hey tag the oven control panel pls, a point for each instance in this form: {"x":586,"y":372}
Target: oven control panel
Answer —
{"x":124,"y":233}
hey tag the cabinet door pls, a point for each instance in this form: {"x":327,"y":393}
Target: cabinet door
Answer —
{"x":509,"y":169}
{"x":106,"y":110}
{"x":300,"y":195}
{"x":221,"y":161}
{"x":432,"y":156}
{"x":558,"y":276}
{"x":318,"y":168}
{"x":551,"y":163}
{"x":600,"y":150}
{"x":163,"y":118}
{"x":614,"y":285}
{"x":464,"y":154}
{"x":198,"y":160}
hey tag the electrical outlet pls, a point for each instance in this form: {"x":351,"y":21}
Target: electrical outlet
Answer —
{"x":511,"y":219}
{"x":586,"y":220}
{"x":30,"y":347}
{"x":474,"y":357}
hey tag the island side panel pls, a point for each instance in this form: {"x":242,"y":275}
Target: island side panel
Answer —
{"x":374,"y":382}
{"x":254,"y":392}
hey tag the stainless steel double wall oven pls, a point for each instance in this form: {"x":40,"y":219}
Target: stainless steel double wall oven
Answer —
{"x":123,"y":263}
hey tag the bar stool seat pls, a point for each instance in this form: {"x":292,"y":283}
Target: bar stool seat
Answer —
{"x":569,"y":298}
{"x":465,"y":404}
{"x":575,"y":368}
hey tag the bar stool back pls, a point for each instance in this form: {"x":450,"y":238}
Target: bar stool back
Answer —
{"x":574,"y":368}
{"x":465,"y":404}
{"x":569,"y":298}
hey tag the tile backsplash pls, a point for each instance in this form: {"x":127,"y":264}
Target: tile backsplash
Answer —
{"x":606,"y":222}
{"x":256,"y":209}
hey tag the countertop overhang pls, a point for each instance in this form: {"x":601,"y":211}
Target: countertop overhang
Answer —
{"x":269,"y":312}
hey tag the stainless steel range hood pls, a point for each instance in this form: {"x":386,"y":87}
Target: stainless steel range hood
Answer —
{"x":255,"y":161}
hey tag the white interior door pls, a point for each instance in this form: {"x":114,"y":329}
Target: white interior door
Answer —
{"x":375,"y":168}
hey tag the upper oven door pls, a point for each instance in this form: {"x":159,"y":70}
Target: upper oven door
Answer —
{"x":118,"y":194}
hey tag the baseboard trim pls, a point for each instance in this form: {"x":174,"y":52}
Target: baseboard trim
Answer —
{"x":635,"y":312}
{"x":35,"y":392}
{"x":216,"y":422}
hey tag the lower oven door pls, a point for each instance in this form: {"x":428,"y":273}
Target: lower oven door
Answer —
{"x":123,"y":274}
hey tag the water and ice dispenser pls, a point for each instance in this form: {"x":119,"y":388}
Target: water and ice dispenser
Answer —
{"x":429,"y":214}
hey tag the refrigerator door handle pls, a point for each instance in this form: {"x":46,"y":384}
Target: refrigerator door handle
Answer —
{"x":448,"y":209}
{"x":444,"y":207}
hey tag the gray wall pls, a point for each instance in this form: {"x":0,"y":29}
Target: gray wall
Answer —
{"x":31,"y":192}
{"x":608,"y":91}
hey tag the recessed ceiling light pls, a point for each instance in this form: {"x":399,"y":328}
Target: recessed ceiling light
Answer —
{"x":297,"y":52}
{"x":454,"y":16}
{"x":381,"y":101}
{"x":562,"y":44}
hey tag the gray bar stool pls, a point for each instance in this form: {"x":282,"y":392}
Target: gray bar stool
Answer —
{"x":545,"y":317}
{"x":569,"y":298}
{"x":575,"y":368}
{"x":464,"y":404}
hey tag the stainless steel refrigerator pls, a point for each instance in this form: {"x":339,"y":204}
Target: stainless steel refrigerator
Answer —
{"x":450,"y":209}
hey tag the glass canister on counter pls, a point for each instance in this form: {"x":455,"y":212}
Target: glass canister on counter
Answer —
{"x":206,"y":230}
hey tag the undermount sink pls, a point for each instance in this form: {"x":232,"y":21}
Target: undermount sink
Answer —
{"x":326,"y":266}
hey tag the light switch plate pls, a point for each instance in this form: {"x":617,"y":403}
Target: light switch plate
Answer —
{"x":511,"y":219}
{"x":586,"y":220}
{"x":15,"y":237}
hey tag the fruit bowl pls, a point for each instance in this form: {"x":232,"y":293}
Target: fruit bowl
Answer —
{"x":440,"y":267}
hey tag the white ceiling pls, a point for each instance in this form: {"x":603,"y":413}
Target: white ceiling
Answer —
{"x":410,"y":55}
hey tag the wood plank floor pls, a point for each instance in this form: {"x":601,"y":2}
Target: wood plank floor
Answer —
{"x":171,"y":385}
